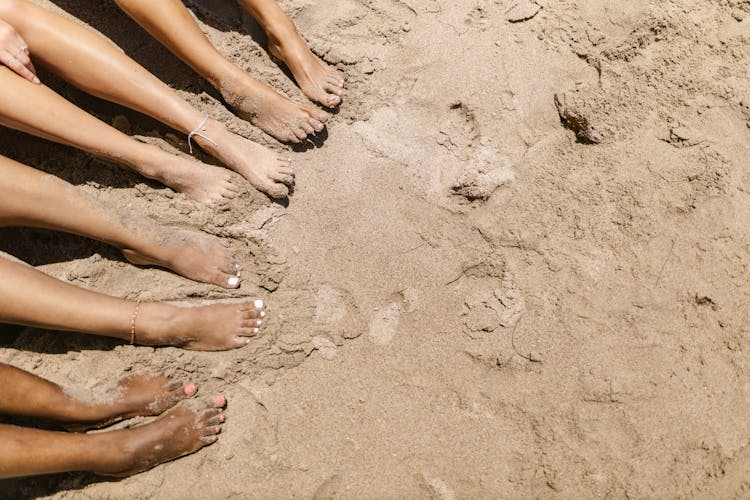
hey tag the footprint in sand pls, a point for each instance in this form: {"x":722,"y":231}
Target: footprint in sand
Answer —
{"x":384,"y":325}
{"x":482,"y":175}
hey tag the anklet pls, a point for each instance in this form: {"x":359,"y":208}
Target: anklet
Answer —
{"x":196,"y":132}
{"x":132,"y":322}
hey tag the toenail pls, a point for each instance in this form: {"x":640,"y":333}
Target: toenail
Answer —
{"x":221,"y":418}
{"x":190,"y":389}
{"x":220,"y":400}
{"x":258,"y":322}
{"x":258,"y":304}
{"x":263,"y":314}
{"x":234,"y":281}
{"x":255,"y":331}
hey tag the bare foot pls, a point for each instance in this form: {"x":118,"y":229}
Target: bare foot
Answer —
{"x":183,"y":430}
{"x":215,"y":327}
{"x":135,"y":395}
{"x":279,"y":117}
{"x":268,"y":171}
{"x":194,"y":255}
{"x":205,"y":184}
{"x":318,"y":81}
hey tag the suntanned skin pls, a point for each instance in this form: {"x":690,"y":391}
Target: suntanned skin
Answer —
{"x":186,"y":426}
{"x":171,"y":23}
{"x":35,"y":199}
{"x":92,"y":63}
{"x":26,"y":395}
{"x":32,"y":298}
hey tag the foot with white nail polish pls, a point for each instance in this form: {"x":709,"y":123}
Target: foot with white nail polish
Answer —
{"x":195,"y":255}
{"x":215,"y":327}
{"x":36,"y":199}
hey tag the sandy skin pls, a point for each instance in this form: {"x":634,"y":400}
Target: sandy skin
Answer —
{"x":35,"y":199}
{"x":185,"y":425}
{"x":288,"y":121}
{"x":88,"y":61}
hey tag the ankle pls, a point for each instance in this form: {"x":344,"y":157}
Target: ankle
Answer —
{"x":277,"y":26}
{"x":114,"y":452}
{"x":160,"y":324}
{"x":210,"y":135}
{"x":156,"y":321}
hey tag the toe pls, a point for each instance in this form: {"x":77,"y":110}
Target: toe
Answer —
{"x":215,"y":420}
{"x":332,"y":100}
{"x":248,"y":314}
{"x":277,"y":190}
{"x":291,"y":136}
{"x":334,"y":89}
{"x":233,"y":282}
{"x":318,"y":114}
{"x":317,"y":125}
{"x":284,"y":178}
{"x":286,"y":170}
{"x":211,"y":430}
{"x":207,"y":440}
{"x":190,"y":389}
{"x":252,"y":323}
{"x":300,"y":133}
{"x":308,"y":128}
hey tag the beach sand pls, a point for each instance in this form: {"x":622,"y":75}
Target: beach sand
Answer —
{"x":516,"y":267}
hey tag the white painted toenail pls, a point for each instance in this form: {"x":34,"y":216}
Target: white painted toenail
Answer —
{"x":255,"y":330}
{"x":247,"y":341}
{"x":234,"y":281}
{"x":263,"y":314}
{"x":258,"y":304}
{"x":258,"y":322}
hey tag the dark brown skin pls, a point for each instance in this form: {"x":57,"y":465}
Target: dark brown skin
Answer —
{"x":184,"y":427}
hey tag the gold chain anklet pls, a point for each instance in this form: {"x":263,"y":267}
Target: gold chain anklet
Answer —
{"x":132,"y":322}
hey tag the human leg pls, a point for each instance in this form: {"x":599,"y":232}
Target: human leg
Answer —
{"x":318,"y":81}
{"x":26,"y":394}
{"x":182,"y":430}
{"x":30,"y":297}
{"x":172,"y":24}
{"x":34,"y":199}
{"x":92,"y":63}
{"x":39,"y":111}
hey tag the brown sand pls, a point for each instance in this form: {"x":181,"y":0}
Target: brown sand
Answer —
{"x":518,"y":267}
